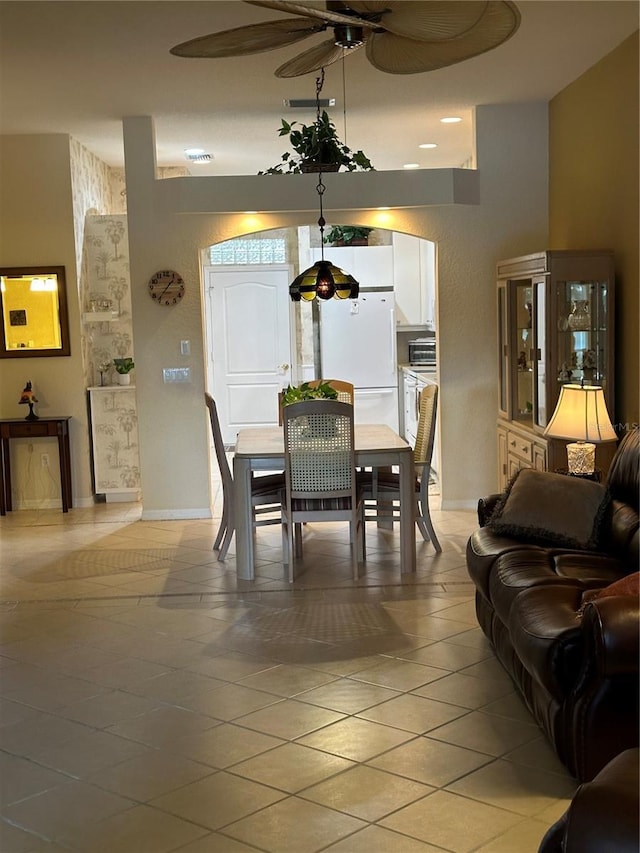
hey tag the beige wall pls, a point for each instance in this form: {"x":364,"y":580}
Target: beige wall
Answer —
{"x":593,"y":199}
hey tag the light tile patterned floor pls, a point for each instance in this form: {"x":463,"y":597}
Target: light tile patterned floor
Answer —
{"x":152,"y":703}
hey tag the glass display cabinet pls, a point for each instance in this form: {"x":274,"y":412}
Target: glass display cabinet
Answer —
{"x":555,"y":310}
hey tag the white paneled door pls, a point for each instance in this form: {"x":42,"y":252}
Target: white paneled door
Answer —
{"x":250,"y":343}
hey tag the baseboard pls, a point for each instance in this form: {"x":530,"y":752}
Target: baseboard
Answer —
{"x":175,"y":514}
{"x":461,"y":505}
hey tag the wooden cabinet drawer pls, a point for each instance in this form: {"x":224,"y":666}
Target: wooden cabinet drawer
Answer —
{"x":519,"y":446}
{"x":31,"y":429}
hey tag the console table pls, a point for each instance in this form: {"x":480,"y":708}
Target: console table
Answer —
{"x":42,"y":428}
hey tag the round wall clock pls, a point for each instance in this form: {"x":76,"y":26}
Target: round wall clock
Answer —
{"x":166,"y":287}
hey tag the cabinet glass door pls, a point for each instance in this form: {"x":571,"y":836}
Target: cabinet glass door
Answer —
{"x":582,"y":345}
{"x":540,"y":290}
{"x":524,"y":351}
{"x":503,"y":350}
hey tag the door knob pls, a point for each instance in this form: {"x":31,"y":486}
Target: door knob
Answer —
{"x":284,"y":367}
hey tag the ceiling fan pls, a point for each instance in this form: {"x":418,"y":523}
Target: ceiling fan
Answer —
{"x":398,"y":37}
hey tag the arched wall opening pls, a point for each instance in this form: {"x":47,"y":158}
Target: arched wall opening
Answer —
{"x":358,"y":341}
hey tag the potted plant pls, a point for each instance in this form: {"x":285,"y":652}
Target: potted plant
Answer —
{"x":123,"y":367}
{"x":348,"y":235}
{"x":318,"y":425}
{"x":316,"y":144}
{"x":298,"y":393}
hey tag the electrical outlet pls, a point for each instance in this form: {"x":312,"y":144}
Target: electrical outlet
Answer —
{"x":44,"y":460}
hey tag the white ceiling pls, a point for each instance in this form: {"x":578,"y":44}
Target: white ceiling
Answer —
{"x":80,"y":67}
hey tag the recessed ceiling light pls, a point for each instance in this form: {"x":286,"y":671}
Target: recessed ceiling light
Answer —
{"x":451,"y":120}
{"x":428,"y":145}
{"x":411,"y":166}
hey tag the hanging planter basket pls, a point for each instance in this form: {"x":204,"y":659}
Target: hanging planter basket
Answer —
{"x":308,"y":166}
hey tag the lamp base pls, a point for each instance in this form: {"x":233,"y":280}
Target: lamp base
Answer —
{"x":581,"y":456}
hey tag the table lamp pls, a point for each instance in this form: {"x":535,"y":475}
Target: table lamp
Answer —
{"x":29,"y":398}
{"x":581,"y":416}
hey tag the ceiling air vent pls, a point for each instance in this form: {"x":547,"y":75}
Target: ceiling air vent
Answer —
{"x":308,"y":103}
{"x":197,"y":155}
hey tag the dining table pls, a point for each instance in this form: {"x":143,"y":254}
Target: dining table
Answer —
{"x":262,"y":449}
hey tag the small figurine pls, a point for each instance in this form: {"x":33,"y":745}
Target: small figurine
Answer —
{"x":29,"y":398}
{"x":565,"y":374}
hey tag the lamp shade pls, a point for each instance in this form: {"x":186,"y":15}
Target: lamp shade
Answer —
{"x":581,"y":415}
{"x":325,"y":281}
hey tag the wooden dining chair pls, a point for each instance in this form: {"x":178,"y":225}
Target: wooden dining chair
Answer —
{"x":266,"y":491}
{"x":345,"y":389}
{"x":320,"y":475}
{"x":382,"y":488}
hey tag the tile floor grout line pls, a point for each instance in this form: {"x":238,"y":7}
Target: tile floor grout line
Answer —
{"x":203,"y":595}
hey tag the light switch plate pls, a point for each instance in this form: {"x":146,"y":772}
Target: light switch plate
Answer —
{"x":176,"y":374}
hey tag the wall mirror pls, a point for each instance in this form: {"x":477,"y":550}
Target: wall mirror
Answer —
{"x":35,"y":322}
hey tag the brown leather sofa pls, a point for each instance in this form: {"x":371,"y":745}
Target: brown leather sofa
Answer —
{"x":603,"y":816}
{"x":564,"y":618}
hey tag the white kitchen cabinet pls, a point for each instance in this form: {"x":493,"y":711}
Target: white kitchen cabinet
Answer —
{"x":413,"y":382}
{"x":414,"y":280}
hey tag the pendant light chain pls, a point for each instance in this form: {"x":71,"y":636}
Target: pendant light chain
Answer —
{"x":320,"y":187}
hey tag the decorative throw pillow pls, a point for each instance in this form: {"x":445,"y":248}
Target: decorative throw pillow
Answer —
{"x":551,"y":509}
{"x":628,"y":585}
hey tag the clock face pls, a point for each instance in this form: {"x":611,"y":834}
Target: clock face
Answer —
{"x":166,"y":287}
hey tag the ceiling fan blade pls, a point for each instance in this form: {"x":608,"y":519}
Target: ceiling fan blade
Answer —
{"x":431,"y":20}
{"x":311,"y":12}
{"x":397,"y":55}
{"x":368,"y":7}
{"x":255,"y":38}
{"x":318,"y":57}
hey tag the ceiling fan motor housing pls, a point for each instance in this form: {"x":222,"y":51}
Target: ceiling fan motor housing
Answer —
{"x":348,"y":37}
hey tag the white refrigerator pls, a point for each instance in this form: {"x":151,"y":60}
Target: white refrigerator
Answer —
{"x":358,"y":345}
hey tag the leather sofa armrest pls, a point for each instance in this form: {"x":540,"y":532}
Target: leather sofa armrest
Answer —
{"x":486,"y":507}
{"x":613,"y":626}
{"x":603,"y":814}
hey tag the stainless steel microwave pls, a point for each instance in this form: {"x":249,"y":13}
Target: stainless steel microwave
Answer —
{"x":422,"y":351}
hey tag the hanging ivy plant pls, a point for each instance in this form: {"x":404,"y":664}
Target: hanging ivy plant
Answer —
{"x":315,"y":144}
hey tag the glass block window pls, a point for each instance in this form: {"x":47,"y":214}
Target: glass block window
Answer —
{"x":250,"y":251}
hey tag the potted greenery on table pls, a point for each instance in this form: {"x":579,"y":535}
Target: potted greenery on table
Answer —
{"x":318,"y":426}
{"x":316,"y":144}
{"x":299,"y":393}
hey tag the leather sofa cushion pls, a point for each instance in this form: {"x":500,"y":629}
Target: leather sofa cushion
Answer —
{"x":590,"y":569}
{"x":516,"y":571}
{"x":545,"y":629}
{"x":524,"y":568}
{"x":551,"y":509}
{"x":483,"y":549}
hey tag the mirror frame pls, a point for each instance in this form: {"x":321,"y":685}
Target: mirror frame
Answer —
{"x":63,"y":315}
